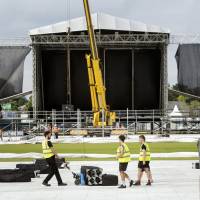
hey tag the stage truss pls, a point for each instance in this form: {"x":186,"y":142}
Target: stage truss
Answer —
{"x":113,"y":39}
{"x":109,"y":40}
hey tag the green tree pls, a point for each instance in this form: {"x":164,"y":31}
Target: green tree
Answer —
{"x":172,"y":96}
{"x":29,"y":104}
{"x":194,"y":104}
{"x":182,"y":98}
{"x":15,"y":104}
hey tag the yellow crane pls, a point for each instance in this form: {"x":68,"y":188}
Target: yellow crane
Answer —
{"x":101,"y":111}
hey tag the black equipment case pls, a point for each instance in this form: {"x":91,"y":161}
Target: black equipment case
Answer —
{"x":14,"y":175}
{"x":109,"y":180}
{"x":43,"y":167}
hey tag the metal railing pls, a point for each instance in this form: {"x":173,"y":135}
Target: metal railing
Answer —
{"x":133,"y":121}
{"x":101,"y":39}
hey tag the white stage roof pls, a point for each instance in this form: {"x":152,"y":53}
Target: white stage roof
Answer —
{"x":101,"y":21}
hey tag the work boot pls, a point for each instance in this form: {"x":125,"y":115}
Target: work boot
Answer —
{"x":122,"y":186}
{"x":149,"y":183}
{"x":131,"y":183}
{"x":62,"y":184}
{"x":137,"y":183}
{"x":46,"y":184}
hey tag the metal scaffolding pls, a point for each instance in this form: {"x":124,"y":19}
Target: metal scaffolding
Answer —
{"x":128,"y":122}
{"x":101,"y":39}
{"x":113,"y":39}
{"x":116,"y":38}
{"x":155,"y":121}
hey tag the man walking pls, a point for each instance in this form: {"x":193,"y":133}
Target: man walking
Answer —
{"x":50,"y":154}
{"x":55,"y":130}
{"x":124,"y":157}
{"x":144,"y":161}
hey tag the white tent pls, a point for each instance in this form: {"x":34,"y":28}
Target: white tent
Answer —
{"x":176,"y":112}
{"x":101,"y":21}
{"x":176,"y":118}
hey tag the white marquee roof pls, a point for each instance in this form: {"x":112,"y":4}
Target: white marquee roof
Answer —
{"x":100,"y":21}
{"x":175,"y":112}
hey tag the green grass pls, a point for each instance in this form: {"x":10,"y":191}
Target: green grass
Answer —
{"x":90,"y":159}
{"x":110,"y":148}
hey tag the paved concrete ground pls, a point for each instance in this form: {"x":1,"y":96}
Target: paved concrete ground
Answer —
{"x":174,"y":180}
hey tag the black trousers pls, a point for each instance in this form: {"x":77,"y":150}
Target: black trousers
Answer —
{"x":53,"y":170}
{"x":56,"y":135}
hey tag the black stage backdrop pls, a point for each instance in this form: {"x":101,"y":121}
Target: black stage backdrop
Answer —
{"x":80,"y":93}
{"x":119,"y":79}
{"x":147,"y":65}
{"x":54,"y":66}
{"x":131,"y":83}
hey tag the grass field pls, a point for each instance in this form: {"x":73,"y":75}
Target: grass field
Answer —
{"x":160,"y":147}
{"x":84,"y":148}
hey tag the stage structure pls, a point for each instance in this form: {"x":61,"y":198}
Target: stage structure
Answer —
{"x":188,"y":62}
{"x":133,"y":56}
{"x":12,"y":69}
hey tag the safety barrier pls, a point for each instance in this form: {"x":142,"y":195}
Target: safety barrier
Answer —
{"x":79,"y":122}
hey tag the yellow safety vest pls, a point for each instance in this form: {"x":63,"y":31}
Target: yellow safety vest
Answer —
{"x":47,"y":152}
{"x":148,"y":154}
{"x":126,"y":157}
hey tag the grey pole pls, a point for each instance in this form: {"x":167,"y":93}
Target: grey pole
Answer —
{"x":127,"y":122}
{"x":198,"y":146}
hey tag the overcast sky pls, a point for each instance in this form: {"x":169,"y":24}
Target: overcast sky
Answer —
{"x":17,"y":17}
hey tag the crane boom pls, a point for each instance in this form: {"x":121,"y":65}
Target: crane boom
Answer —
{"x":93,"y":45}
{"x":97,"y":88}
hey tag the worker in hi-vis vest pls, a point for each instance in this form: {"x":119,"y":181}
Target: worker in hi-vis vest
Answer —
{"x":124,"y":157}
{"x":144,"y":161}
{"x":50,"y":154}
